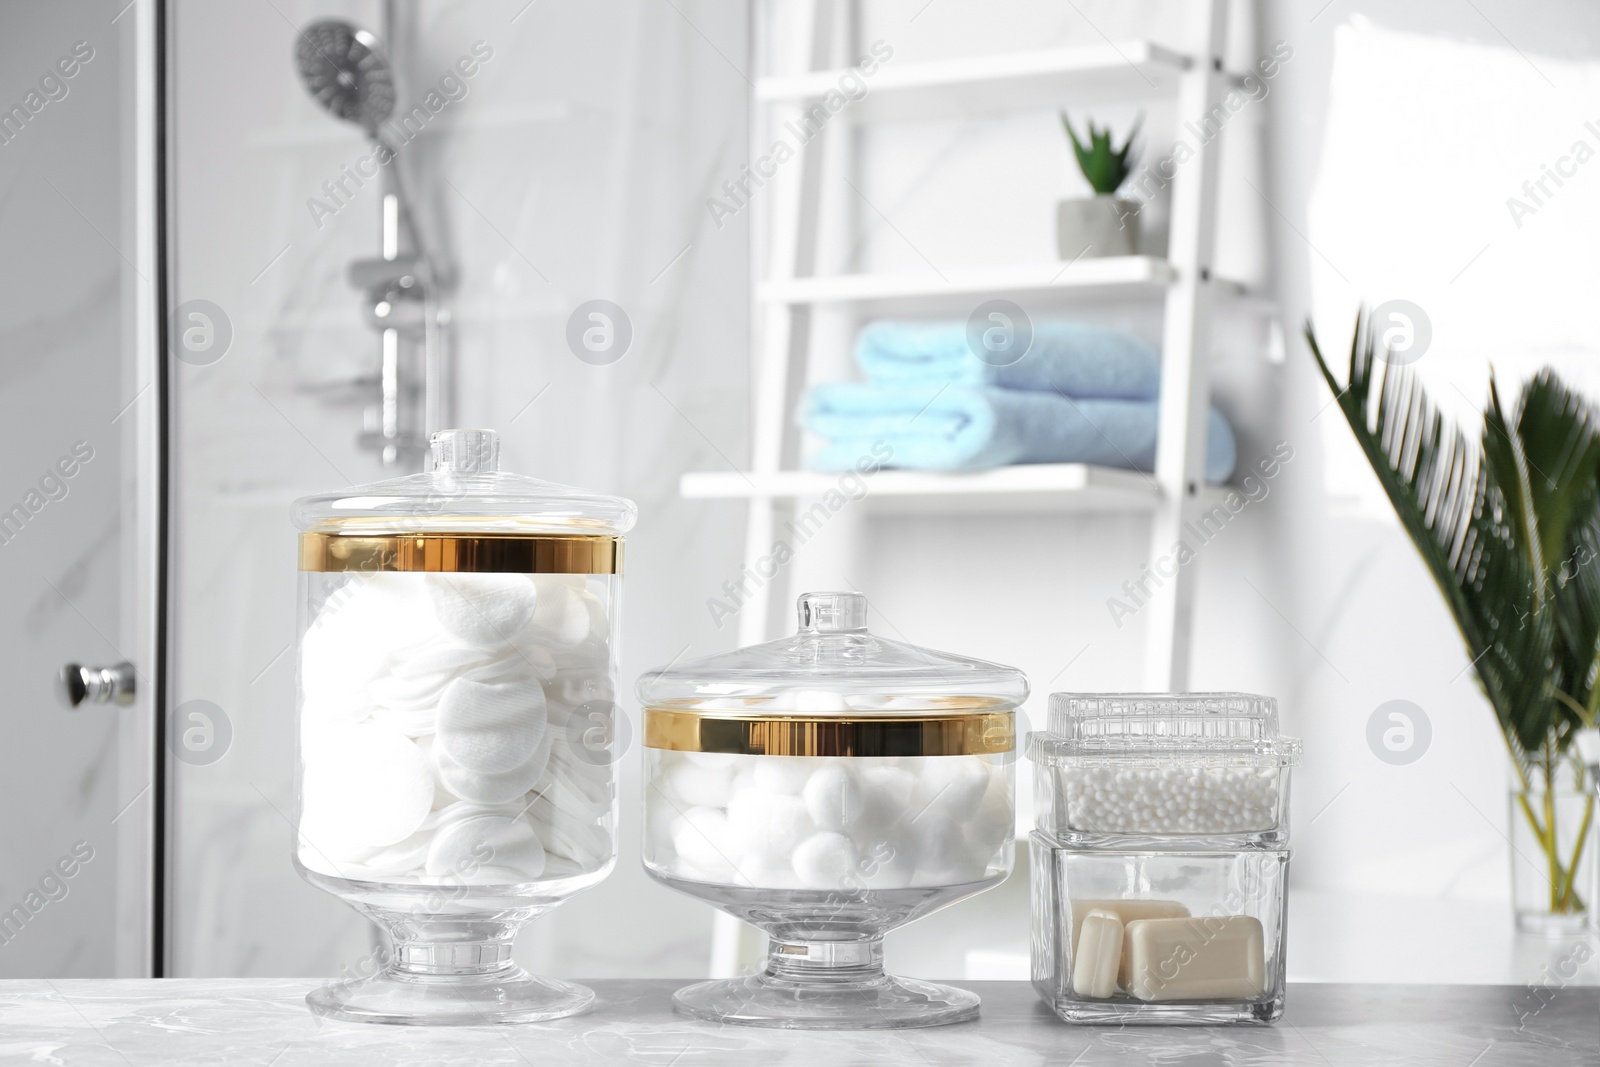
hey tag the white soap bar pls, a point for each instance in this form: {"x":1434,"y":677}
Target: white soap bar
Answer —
{"x":1217,"y":957}
{"x":1126,"y":912}
{"x":1098,"y":955}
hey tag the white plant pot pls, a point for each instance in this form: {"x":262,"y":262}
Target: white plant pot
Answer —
{"x":1097,"y":226}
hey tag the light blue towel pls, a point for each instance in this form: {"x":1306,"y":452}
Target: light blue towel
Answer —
{"x":964,"y":427}
{"x":1074,"y":358}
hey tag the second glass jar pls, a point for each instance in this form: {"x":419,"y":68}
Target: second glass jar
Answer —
{"x":827,"y":788}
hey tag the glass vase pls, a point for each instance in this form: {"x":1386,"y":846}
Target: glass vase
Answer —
{"x":1553,"y":860}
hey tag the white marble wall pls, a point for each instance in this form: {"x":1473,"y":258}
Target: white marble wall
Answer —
{"x":575,"y":170}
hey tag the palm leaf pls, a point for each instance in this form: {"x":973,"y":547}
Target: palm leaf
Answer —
{"x":1451,"y":505}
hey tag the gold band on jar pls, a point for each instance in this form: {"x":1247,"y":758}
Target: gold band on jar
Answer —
{"x":975,"y":733}
{"x":453,"y":553}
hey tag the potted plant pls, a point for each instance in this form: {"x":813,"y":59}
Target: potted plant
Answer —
{"x":1510,"y":531}
{"x":1103,"y":224}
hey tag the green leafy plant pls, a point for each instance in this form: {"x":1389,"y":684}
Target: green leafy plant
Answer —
{"x":1510,"y":532}
{"x":1105,"y":167}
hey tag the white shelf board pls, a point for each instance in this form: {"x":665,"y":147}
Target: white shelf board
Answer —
{"x":1129,"y":274}
{"x":1004,"y":82}
{"x":1111,"y":272}
{"x":1026,"y":488}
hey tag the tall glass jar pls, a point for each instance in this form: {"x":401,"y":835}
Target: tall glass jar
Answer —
{"x":457,"y":660}
{"x":828,"y":788}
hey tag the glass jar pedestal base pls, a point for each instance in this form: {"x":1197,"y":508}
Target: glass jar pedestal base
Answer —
{"x":826,"y":985}
{"x":448,"y":973}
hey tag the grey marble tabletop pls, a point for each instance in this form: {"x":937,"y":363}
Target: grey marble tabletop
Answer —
{"x":265,"y":1021}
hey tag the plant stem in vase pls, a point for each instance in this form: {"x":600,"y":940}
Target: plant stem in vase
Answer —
{"x":1510,"y":532}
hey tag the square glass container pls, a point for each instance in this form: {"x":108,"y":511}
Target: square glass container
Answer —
{"x":1160,"y":858}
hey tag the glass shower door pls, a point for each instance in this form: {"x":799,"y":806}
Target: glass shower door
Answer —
{"x":79,"y":499}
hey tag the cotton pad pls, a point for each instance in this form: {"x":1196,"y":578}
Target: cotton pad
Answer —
{"x":562,"y":616}
{"x":418,"y":675}
{"x":463,"y":847}
{"x":487,"y":611}
{"x":485,"y":788}
{"x":405,"y":858}
{"x":491,"y":724}
{"x":364,"y":786}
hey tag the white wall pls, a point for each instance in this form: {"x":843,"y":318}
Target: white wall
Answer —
{"x":586,"y":152}
{"x":580,"y":155}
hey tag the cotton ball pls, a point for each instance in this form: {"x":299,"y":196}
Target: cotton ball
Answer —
{"x":888,"y":862}
{"x":812,"y":700}
{"x":702,"y":839}
{"x":562,"y":616}
{"x":885,"y":795}
{"x":941,"y":849}
{"x":766,"y":824}
{"x":949,"y":784}
{"x":766,"y":872}
{"x":826,"y":860}
{"x":994,"y":825}
{"x":697,"y":785}
{"x":659,"y":817}
{"x":721,"y":761}
{"x":462,"y":848}
{"x":833,"y":799}
{"x":491,"y":724}
{"x":487,"y":611}
{"x":369,"y":786}
{"x":783,"y":774}
{"x":745,"y":776}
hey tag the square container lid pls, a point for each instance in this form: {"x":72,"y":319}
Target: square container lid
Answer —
{"x":1178,"y":727}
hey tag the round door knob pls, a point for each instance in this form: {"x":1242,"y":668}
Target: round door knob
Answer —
{"x":77,"y":684}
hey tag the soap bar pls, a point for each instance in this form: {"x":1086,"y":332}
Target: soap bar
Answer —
{"x":1098,"y":955}
{"x":1216,"y":957}
{"x":1126,"y":912}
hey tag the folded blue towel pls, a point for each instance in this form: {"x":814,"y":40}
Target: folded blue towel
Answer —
{"x":961,"y":427}
{"x":1074,"y":358}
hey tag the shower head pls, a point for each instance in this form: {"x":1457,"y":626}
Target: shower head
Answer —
{"x":344,"y":70}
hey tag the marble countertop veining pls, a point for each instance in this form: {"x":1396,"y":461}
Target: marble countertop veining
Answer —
{"x":265,"y":1022}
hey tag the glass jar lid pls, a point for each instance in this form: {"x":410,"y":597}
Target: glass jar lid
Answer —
{"x":464,"y":490}
{"x":463,"y":514}
{"x":1231,"y":728}
{"x":834,"y":688}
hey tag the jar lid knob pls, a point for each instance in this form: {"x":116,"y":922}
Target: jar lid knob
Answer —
{"x":465,"y":451}
{"x":833,"y":613}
